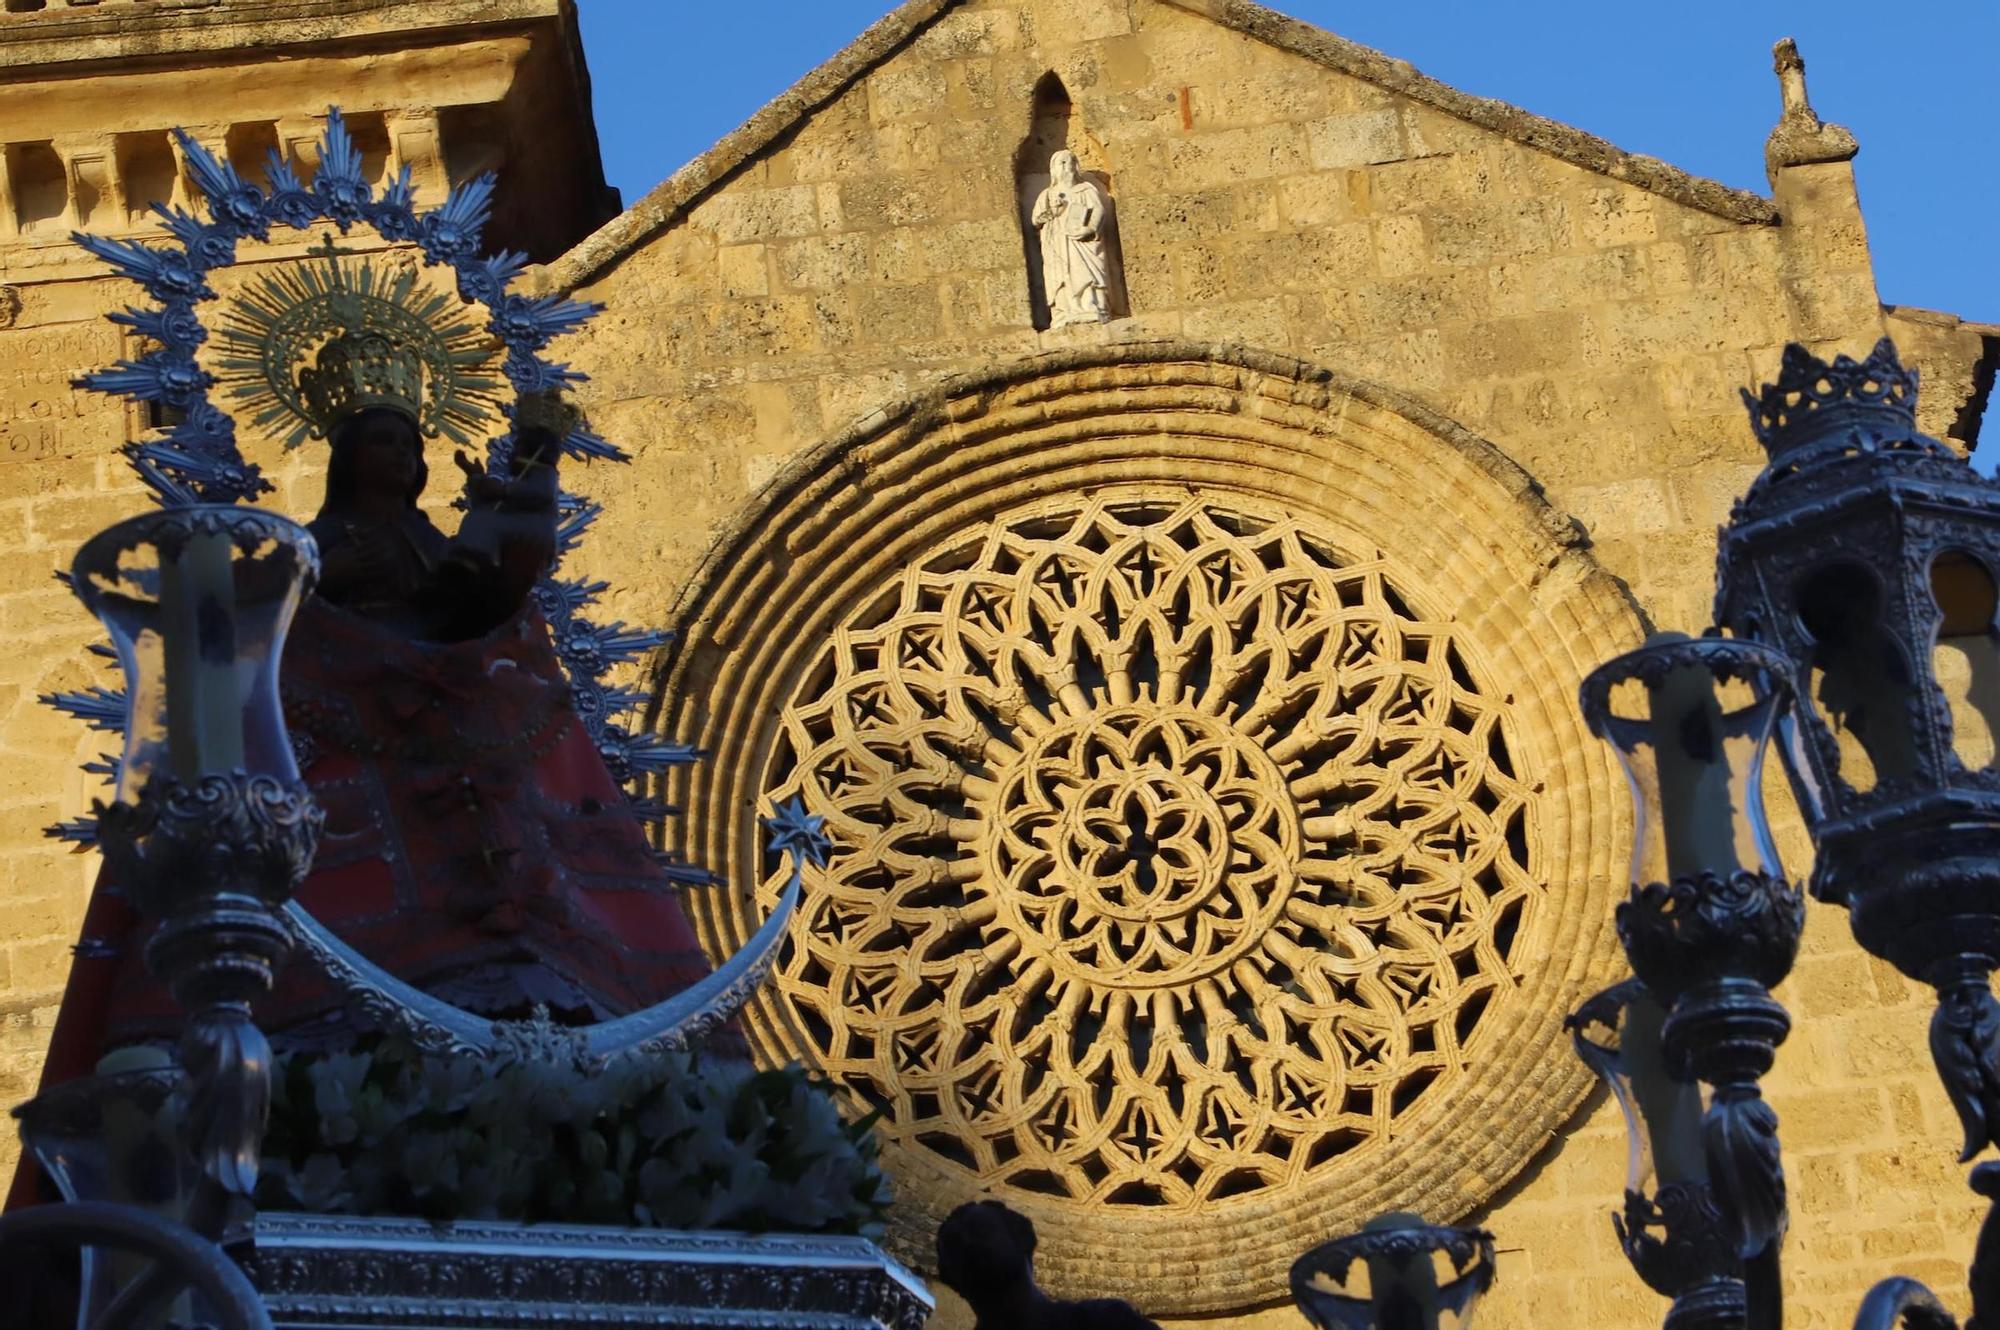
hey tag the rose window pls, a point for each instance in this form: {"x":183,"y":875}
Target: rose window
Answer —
{"x":1178,"y":852}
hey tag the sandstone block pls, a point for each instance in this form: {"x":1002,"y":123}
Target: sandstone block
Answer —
{"x":1617,"y":216}
{"x":40,"y":966}
{"x":919,"y":149}
{"x":1418,"y":185}
{"x":773,"y":326}
{"x":1255,"y":321}
{"x":1084,"y":20}
{"x":1357,"y":139}
{"x":905,"y":91}
{"x":1636,"y":506}
{"x":823,"y":262}
{"x":881,"y":203}
{"x":1401,"y":247}
{"x":1225,"y":157}
{"x":896,"y":258}
{"x":965,"y":247}
{"x":961,"y":33}
{"x":900,"y":314}
{"x":766,"y":214}
{"x":971,"y":89}
{"x":821,"y":153}
{"x":1318,"y":198}
{"x":745,"y":270}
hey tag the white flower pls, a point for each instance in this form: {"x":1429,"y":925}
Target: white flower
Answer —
{"x":337,"y":1083}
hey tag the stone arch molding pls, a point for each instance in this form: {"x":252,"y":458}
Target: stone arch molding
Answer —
{"x":1217,"y":847}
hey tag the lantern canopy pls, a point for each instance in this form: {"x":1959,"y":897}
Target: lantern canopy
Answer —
{"x":1397,"y":1273}
{"x":1867,"y":552}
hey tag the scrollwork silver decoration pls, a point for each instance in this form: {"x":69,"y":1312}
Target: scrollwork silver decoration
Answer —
{"x":350,"y":1271}
{"x":212,"y":860}
{"x":1404,"y":1286}
{"x":1668,"y":1237}
{"x":227,"y":833}
{"x":1713,"y":946}
{"x":1740,"y":1137}
{"x":1965,"y":1044}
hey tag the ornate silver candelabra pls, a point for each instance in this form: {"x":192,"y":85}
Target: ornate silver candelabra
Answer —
{"x":1857,"y":581}
{"x":209,"y":833}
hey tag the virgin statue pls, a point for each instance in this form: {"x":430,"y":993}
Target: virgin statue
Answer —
{"x":475,"y":844}
{"x":1074,"y":216}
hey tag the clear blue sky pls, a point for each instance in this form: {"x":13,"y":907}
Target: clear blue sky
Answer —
{"x":1689,"y":82}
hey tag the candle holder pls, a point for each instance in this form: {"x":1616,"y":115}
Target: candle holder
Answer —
{"x":1711,"y":925}
{"x":1672,"y":1230}
{"x":1398,"y":1273}
{"x":211,"y":829}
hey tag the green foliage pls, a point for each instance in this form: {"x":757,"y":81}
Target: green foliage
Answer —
{"x":673,"y":1141}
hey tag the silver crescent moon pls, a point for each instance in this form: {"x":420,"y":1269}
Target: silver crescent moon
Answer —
{"x":438,"y":1027}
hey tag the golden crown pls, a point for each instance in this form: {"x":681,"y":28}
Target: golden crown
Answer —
{"x":357,"y":371}
{"x":310,"y":344}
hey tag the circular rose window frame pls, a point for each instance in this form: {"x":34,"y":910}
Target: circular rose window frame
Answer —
{"x":1460,"y":525}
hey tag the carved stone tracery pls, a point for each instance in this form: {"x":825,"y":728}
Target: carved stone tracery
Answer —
{"x":1176,"y":854}
{"x":1213,"y":830}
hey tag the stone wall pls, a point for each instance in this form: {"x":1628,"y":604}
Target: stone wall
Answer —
{"x":1588,"y":313}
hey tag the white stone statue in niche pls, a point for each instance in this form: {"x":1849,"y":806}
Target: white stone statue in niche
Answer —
{"x":1074,"y":217}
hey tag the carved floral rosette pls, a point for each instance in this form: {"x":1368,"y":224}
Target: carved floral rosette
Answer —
{"x":1207,"y":809}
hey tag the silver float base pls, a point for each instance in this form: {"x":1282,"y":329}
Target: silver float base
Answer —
{"x":332,"y":1272}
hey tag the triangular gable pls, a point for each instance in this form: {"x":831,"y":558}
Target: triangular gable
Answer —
{"x":669,"y":200}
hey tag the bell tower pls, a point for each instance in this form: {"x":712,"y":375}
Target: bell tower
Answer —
{"x":88,"y":93}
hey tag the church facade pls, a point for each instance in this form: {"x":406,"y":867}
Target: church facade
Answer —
{"x":1153,"y":474}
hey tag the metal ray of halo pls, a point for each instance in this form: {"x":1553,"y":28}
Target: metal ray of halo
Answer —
{"x":287,"y":314}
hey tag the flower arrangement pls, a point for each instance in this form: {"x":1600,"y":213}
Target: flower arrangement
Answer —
{"x":673,"y":1141}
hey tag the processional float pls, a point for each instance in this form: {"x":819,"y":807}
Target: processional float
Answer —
{"x":213,"y":829}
